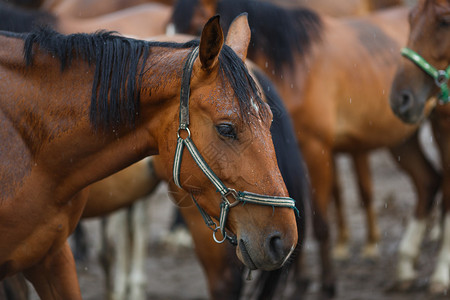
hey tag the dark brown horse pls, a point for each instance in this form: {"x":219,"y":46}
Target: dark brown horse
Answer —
{"x":338,"y":102}
{"x":78,"y":108}
{"x":420,"y":84}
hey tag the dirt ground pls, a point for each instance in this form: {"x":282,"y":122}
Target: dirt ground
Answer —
{"x":176,"y":275}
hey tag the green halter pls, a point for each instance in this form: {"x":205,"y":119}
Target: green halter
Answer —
{"x":440,"y":77}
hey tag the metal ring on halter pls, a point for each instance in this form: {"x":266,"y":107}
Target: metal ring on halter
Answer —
{"x":187,"y":130}
{"x":233,"y":193}
{"x":441,"y":78}
{"x":214,"y":236}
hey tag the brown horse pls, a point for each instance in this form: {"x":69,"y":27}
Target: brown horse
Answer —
{"x":423,"y":76}
{"x":222,"y":268}
{"x":91,"y":9}
{"x":140,"y":21}
{"x":70,"y":117}
{"x":340,"y":8}
{"x":223,"y":271}
{"x":338,"y":102}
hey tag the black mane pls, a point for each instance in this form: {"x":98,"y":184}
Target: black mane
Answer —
{"x":17,"y":19}
{"x":119,"y":67}
{"x":278,"y":32}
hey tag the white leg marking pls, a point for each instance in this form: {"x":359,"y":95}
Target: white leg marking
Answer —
{"x":121,"y":254}
{"x":440,"y":280}
{"x":140,"y":240}
{"x":409,"y":249}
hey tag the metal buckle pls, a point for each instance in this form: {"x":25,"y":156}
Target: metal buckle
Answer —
{"x":215,"y":238}
{"x":441,"y":78}
{"x":186,"y":129}
{"x":235,"y":195}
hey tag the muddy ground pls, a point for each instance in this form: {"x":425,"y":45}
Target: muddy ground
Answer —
{"x":176,"y":275}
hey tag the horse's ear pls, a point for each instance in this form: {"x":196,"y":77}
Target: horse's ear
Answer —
{"x":211,"y":43}
{"x":239,"y":35}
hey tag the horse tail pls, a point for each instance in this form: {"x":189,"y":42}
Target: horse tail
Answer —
{"x":293,"y":171}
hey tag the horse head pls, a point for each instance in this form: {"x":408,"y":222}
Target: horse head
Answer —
{"x":233,"y":165}
{"x":424,"y":71}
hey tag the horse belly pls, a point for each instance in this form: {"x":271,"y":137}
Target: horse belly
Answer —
{"x":372,"y":134}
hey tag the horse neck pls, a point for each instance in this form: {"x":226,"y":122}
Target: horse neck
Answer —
{"x":50,"y":113}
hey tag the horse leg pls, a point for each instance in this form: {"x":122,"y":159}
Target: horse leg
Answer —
{"x":14,"y":288}
{"x":55,"y":277}
{"x":122,"y":254}
{"x":440,"y":279}
{"x":80,"y":251}
{"x":139,"y":230}
{"x":426,"y":180}
{"x":320,"y":166}
{"x":363,"y":174}
{"x":105,"y":255}
{"x":341,"y":250}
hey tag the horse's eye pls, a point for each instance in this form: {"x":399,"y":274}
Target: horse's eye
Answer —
{"x":226,"y":130}
{"x":444,"y":21}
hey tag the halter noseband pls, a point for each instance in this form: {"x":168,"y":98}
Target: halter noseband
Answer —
{"x":244,"y":197}
{"x":440,"y":77}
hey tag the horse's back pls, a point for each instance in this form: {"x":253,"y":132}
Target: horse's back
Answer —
{"x":356,"y":61}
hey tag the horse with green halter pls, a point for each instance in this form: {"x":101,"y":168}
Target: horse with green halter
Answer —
{"x":440,"y":77}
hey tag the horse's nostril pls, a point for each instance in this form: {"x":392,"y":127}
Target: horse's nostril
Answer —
{"x":276,"y":248}
{"x":406,"y":101}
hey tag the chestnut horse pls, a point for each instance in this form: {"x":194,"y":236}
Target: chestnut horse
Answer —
{"x":421,"y":78}
{"x":57,"y":142}
{"x":338,"y":102}
{"x":222,"y":269}
{"x":339,"y":8}
{"x":91,"y":9}
{"x":140,"y":21}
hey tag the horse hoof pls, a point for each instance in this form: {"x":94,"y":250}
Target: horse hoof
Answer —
{"x":341,"y":252}
{"x":370,"y":251}
{"x":438,"y":288}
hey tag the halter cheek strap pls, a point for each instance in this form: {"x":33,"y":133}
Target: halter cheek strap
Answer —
{"x":225,"y":192}
{"x":440,"y":77}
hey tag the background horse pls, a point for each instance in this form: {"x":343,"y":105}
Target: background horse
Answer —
{"x":139,"y":21}
{"x":414,"y":91}
{"x":67,"y":150}
{"x":303,"y":52}
{"x":123,"y":264}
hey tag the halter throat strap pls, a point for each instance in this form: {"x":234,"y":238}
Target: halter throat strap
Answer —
{"x":441,"y":77}
{"x":225,"y":193}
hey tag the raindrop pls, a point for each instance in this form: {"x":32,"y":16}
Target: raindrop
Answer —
{"x":398,"y":158}
{"x":267,"y":64}
{"x":350,"y":100}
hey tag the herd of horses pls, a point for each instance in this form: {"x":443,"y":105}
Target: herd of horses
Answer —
{"x":81,"y":113}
